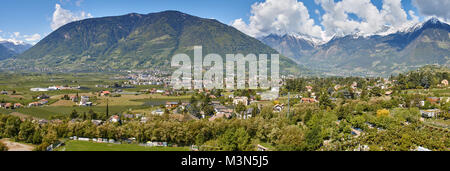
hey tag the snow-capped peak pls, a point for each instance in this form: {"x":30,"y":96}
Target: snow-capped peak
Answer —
{"x":387,"y":29}
{"x":13,"y":41}
{"x":314,"y":40}
{"x":410,"y":26}
{"x":407,"y":27}
{"x":434,"y":20}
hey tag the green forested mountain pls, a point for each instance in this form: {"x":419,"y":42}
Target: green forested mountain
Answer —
{"x":135,"y":41}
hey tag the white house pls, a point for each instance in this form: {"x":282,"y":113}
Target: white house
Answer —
{"x":430,"y":113}
{"x":243,"y":100}
{"x":114,"y":118}
{"x":158,"y":112}
{"x":53,"y":88}
{"x":422,"y":103}
{"x":85,"y":101}
{"x":38,"y":89}
{"x":245,"y":114}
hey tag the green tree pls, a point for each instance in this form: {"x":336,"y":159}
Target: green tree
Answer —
{"x":26,"y":131}
{"x":12,"y":127}
{"x":74,"y":114}
{"x":3,"y":147}
{"x":235,"y":140}
{"x":240,"y":107}
{"x":267,"y":112}
{"x":314,"y":138}
{"x":376,"y":91}
{"x":42,"y":147}
{"x":324,"y":101}
{"x":92,"y":114}
{"x":291,"y":139}
{"x":209,"y":110}
{"x":37,"y":137}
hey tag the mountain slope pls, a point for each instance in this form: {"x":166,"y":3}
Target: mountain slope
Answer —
{"x":135,"y":41}
{"x":428,"y":43}
{"x":6,"y":53}
{"x":11,"y":49}
{"x":289,"y":45}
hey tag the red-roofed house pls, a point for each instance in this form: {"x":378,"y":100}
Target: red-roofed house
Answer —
{"x":309,"y":88}
{"x":105,"y":93}
{"x":17,"y":105}
{"x":33,"y":104}
{"x":308,"y":100}
{"x":43,"y":101}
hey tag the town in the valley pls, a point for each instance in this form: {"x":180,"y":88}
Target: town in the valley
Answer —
{"x":139,"y":110}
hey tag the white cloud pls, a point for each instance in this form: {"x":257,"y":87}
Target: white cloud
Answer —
{"x":413,"y":15}
{"x":62,"y":16}
{"x":32,"y":38}
{"x":291,"y":16}
{"x":393,"y":13}
{"x":437,"y":8}
{"x":12,"y":40}
{"x":17,"y":38}
{"x":279,"y":16}
{"x":336,"y":19}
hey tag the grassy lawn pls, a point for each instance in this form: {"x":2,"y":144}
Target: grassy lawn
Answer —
{"x":92,"y":146}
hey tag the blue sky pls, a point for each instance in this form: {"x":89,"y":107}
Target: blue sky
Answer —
{"x":23,"y":19}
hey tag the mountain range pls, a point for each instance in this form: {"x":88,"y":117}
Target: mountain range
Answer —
{"x":377,"y":55}
{"x":142,"y":41}
{"x":10,"y":49}
{"x":135,"y":41}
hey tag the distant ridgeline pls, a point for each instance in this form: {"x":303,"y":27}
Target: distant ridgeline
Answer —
{"x":11,"y":49}
{"x":136,"y":41}
{"x":377,"y":55}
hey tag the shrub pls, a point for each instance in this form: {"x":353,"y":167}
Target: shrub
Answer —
{"x":382,"y":112}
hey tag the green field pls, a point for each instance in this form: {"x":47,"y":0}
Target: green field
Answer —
{"x":92,"y":146}
{"x":48,"y":111}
